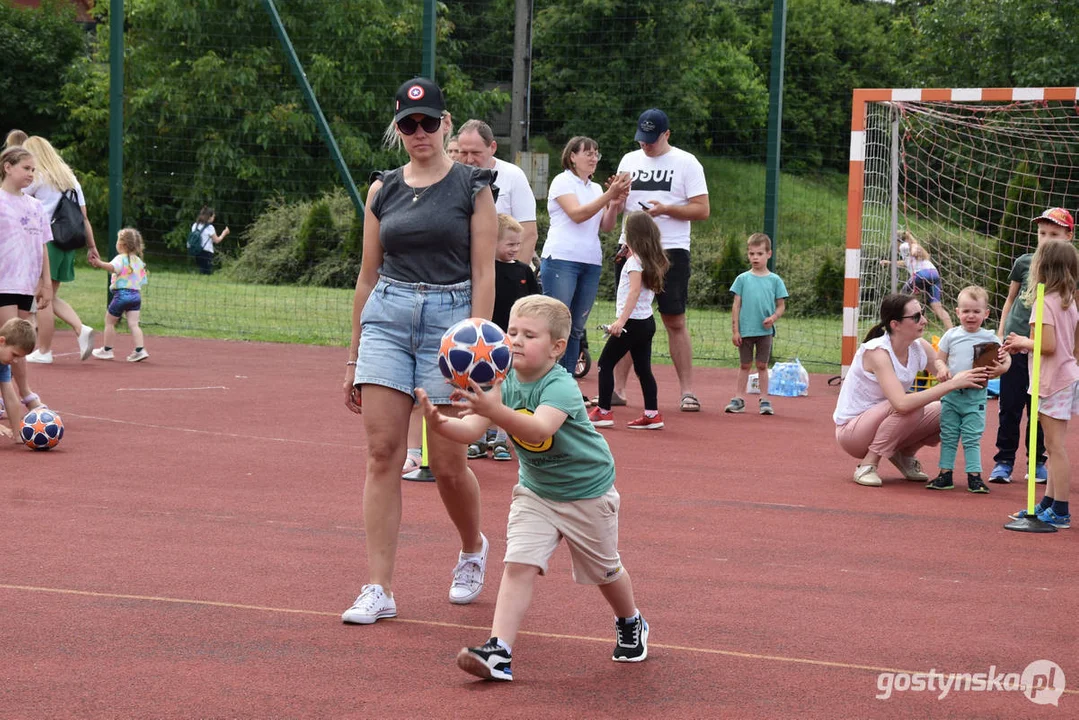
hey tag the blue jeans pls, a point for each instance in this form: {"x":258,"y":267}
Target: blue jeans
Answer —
{"x":576,"y":285}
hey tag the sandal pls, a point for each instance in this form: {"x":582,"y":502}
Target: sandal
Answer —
{"x":690,"y":403}
{"x":413,"y":461}
{"x":476,"y":450}
{"x":500,"y":451}
{"x":32,"y":401}
{"x":616,"y":401}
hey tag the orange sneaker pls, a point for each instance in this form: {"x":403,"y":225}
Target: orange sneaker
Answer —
{"x":601,"y":417}
{"x":646,"y":423}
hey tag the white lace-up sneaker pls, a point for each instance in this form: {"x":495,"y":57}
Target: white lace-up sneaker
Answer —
{"x":103,"y":354}
{"x":468,"y":576}
{"x":372,"y":604}
{"x":909,"y":466}
{"x":45,"y":358}
{"x":86,"y":341}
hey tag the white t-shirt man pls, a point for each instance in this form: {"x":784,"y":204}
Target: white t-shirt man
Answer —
{"x":568,"y":240}
{"x":671,"y":178}
{"x":515,"y":196}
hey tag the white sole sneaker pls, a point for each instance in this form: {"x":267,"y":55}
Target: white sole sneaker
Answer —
{"x":466,"y":587}
{"x":86,"y":342}
{"x":370,"y":606}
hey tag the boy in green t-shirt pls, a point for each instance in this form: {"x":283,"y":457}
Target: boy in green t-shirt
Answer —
{"x":566,"y":486}
{"x":1053,"y":224}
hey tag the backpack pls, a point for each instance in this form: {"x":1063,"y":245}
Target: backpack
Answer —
{"x":194,"y":240}
{"x":68,"y":227}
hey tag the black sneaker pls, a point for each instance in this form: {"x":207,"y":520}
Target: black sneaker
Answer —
{"x":975,"y":484}
{"x":491,"y":662}
{"x":631,"y":640}
{"x":941,"y":482}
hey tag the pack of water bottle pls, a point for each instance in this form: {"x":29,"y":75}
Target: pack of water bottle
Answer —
{"x":788,"y":379}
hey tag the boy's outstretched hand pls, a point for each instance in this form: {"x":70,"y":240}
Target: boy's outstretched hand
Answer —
{"x":434,"y":418}
{"x":477,"y":401}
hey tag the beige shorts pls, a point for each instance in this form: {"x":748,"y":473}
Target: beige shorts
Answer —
{"x":590,"y":527}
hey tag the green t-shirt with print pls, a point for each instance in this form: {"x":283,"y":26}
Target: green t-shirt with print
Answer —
{"x":1018,"y":320}
{"x":576,"y":463}
{"x":759,"y":294}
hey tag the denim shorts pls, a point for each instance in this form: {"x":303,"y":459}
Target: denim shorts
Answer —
{"x":401,"y":331}
{"x":124,"y":300}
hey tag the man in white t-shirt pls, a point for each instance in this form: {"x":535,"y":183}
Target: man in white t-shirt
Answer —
{"x":669,"y":185}
{"x":476,"y":147}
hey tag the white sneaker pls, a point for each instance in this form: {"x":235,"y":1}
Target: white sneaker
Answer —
{"x":86,"y":341}
{"x":138,"y":355}
{"x":909,"y":466}
{"x":102,"y":354}
{"x":45,"y":358}
{"x":867,"y":475}
{"x":468,"y":575}
{"x":372,"y":604}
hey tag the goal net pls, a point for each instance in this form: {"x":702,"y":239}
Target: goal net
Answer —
{"x":965,"y":171}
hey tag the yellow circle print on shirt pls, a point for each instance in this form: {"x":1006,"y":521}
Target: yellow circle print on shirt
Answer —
{"x":533,"y":447}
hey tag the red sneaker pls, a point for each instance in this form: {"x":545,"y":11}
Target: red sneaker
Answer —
{"x":601,"y":417}
{"x":646,"y":423}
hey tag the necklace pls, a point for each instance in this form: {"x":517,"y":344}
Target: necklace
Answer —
{"x":417,"y":195}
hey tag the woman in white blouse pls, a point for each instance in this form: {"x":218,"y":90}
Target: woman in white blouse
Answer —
{"x":572,"y":257}
{"x":876,"y":415}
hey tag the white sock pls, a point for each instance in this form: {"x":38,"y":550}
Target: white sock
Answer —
{"x":476,"y":555}
{"x":630,"y":620}
{"x":502,"y":644}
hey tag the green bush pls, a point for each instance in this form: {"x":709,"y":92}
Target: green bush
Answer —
{"x":316,"y":242}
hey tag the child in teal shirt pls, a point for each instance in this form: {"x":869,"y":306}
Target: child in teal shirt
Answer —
{"x":566,"y":487}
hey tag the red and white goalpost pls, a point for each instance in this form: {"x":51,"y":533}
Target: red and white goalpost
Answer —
{"x":965,"y":170}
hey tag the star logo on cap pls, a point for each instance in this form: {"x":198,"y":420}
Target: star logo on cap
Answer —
{"x":415,"y":92}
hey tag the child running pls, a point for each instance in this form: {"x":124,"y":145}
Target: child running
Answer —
{"x":566,"y":486}
{"x":128,"y":276}
{"x":1056,"y":264}
{"x":513,"y":281}
{"x":17,"y":338}
{"x":962,"y":411}
{"x":632,"y":331}
{"x":760,"y":299}
{"x":924,"y":275}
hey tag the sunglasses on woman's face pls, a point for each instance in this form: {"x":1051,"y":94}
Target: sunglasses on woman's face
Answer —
{"x":408,"y":125}
{"x":916,"y":317}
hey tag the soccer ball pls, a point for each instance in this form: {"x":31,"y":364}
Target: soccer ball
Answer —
{"x":42,"y":429}
{"x":476,"y":349}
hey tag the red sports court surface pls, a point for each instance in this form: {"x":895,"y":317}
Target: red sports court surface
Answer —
{"x":188,"y":549}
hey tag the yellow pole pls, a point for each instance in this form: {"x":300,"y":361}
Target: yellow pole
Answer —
{"x":1035,"y":376}
{"x":423,"y":445}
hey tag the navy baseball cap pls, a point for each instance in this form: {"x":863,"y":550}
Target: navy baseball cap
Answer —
{"x":650,"y":125}
{"x":418,"y":95}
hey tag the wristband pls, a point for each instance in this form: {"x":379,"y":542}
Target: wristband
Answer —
{"x":350,"y":362}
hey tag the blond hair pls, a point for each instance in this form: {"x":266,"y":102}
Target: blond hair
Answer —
{"x":12,"y":156}
{"x":975,"y":293}
{"x":51,"y":168}
{"x":554,"y":312}
{"x":758,"y":239}
{"x":19,"y":333}
{"x":1055,"y":263}
{"x":15,"y":137}
{"x":130,"y":238}
{"x":507,"y":223}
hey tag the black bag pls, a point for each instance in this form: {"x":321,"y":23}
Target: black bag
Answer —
{"x":68,"y":227}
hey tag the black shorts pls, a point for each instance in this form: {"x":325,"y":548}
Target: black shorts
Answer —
{"x":675,"y":295}
{"x":23,"y":302}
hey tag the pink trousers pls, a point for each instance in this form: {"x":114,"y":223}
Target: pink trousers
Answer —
{"x":883,"y":431}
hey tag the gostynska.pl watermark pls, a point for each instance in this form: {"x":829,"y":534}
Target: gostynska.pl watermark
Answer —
{"x":1042,"y":682}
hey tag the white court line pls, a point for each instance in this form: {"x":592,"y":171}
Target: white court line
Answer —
{"x":216,"y":433}
{"x":168,"y":389}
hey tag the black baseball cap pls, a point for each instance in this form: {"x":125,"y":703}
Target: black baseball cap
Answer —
{"x":650,"y":125}
{"x":418,"y":95}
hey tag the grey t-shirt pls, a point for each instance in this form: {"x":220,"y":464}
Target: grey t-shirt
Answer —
{"x":1018,"y":320}
{"x":426,"y":233}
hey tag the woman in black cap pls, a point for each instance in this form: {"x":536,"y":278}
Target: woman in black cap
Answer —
{"x":428,"y":262}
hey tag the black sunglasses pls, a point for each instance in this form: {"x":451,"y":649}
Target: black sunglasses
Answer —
{"x":916,"y":317}
{"x":407,"y":125}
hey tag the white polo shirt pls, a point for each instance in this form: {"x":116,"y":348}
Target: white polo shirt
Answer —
{"x":672,"y":178}
{"x":515,"y":196}
{"x":567,"y":240}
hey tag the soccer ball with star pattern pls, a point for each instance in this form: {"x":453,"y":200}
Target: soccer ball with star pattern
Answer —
{"x":476,"y":349}
{"x":42,"y":429}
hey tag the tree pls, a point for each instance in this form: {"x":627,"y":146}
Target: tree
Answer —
{"x":214,"y":116}
{"x":39,"y":45}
